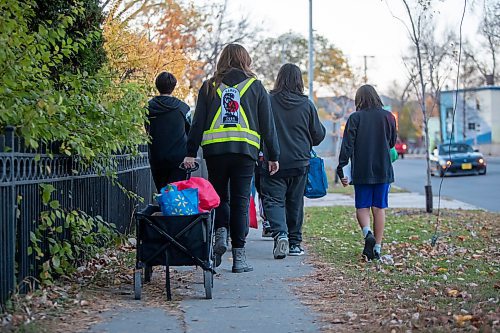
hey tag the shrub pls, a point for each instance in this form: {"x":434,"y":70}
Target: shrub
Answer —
{"x":92,"y":114}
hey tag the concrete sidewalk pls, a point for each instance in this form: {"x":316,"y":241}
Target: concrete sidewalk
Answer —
{"x":259,"y":301}
{"x":396,"y":200}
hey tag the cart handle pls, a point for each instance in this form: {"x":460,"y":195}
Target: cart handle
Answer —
{"x":189,"y":170}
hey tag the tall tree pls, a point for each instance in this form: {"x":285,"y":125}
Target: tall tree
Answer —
{"x":133,"y":55}
{"x":214,"y":29}
{"x":198,"y":31}
{"x":470,"y":76}
{"x":489,"y":32}
{"x":417,"y":16}
{"x":272,"y":52}
{"x":331,"y":66}
{"x":130,"y":10}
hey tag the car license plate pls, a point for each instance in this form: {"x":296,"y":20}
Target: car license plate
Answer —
{"x":466,"y":166}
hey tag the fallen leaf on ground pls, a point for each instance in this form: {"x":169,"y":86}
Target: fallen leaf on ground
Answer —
{"x":461,"y":319}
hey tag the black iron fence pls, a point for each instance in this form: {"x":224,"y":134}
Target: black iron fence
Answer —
{"x":76,"y":187}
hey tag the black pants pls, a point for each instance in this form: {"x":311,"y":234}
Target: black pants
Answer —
{"x":167,"y":172}
{"x":231,"y":176}
{"x":283,"y":199}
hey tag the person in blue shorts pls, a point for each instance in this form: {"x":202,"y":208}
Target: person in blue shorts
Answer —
{"x":369,"y":134}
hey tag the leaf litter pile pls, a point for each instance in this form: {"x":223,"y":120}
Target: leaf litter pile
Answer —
{"x":452,"y":286}
{"x":104,"y":284}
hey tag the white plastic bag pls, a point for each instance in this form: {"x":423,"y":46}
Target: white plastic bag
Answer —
{"x":347,"y":172}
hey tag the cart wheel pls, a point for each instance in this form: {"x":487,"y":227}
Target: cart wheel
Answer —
{"x":148,"y":272}
{"x":208,"y":281}
{"x":137,"y":284}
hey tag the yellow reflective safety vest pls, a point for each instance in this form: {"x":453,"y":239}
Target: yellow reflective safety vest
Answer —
{"x":230,"y":123}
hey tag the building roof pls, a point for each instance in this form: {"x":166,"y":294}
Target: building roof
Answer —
{"x":471,"y":89}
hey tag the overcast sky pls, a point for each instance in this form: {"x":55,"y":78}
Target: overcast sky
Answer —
{"x":357,"y":27}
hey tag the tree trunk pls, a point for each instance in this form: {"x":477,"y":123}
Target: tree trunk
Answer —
{"x":428,"y":186}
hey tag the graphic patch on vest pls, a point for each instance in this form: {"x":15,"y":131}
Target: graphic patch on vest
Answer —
{"x":230,"y":106}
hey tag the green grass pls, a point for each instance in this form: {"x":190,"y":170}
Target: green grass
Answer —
{"x":465,"y":258}
{"x":31,"y":328}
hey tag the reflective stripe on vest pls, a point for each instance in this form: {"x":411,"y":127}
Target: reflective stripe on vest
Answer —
{"x":239,"y":132}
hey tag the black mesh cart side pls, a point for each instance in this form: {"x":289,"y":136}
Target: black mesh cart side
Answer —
{"x":173,"y":241}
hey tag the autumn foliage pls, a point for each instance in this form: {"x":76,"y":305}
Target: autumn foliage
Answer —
{"x":139,"y":54}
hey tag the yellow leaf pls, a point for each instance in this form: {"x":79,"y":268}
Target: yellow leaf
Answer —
{"x":461,"y":319}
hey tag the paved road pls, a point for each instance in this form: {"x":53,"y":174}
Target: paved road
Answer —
{"x":396,"y":200}
{"x":481,"y":191}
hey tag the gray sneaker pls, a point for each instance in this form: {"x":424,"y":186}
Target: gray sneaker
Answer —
{"x":266,"y":229}
{"x":280,"y":246}
{"x":296,"y":250}
{"x":369,"y":244}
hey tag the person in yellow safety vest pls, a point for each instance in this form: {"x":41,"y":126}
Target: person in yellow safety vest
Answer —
{"x":232,"y":119}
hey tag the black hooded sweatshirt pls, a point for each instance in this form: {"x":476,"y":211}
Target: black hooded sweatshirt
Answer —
{"x":368,"y":136}
{"x":168,"y":128}
{"x":299,"y":129}
{"x":258,"y":111}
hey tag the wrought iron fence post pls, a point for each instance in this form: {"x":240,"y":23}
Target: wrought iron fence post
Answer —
{"x":72,"y":169}
{"x":21,"y":173}
{"x":12,"y":210}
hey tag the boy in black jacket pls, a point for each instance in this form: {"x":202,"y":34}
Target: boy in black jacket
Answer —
{"x":168,"y":127}
{"x":369,"y":134}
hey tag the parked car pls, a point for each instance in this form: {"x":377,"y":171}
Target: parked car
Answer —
{"x":457,"y":158}
{"x":401,"y":148}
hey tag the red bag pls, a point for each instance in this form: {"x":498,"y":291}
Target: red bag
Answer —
{"x":252,"y":214}
{"x":207,"y":197}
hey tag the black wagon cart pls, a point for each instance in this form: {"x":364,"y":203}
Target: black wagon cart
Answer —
{"x":173,"y":241}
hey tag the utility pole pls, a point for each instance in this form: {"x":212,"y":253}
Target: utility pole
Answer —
{"x":365,"y":77}
{"x":310,"y":76}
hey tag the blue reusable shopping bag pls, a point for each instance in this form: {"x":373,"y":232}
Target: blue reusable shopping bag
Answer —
{"x":178,"y":203}
{"x":317,"y":182}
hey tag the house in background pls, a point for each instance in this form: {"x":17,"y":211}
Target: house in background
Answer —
{"x":477,"y":117}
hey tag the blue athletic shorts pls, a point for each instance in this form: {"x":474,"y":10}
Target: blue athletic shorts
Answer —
{"x":371,"y":195}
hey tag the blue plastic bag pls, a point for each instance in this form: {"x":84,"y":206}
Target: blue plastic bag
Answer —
{"x":173,"y":202}
{"x":317,"y":182}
